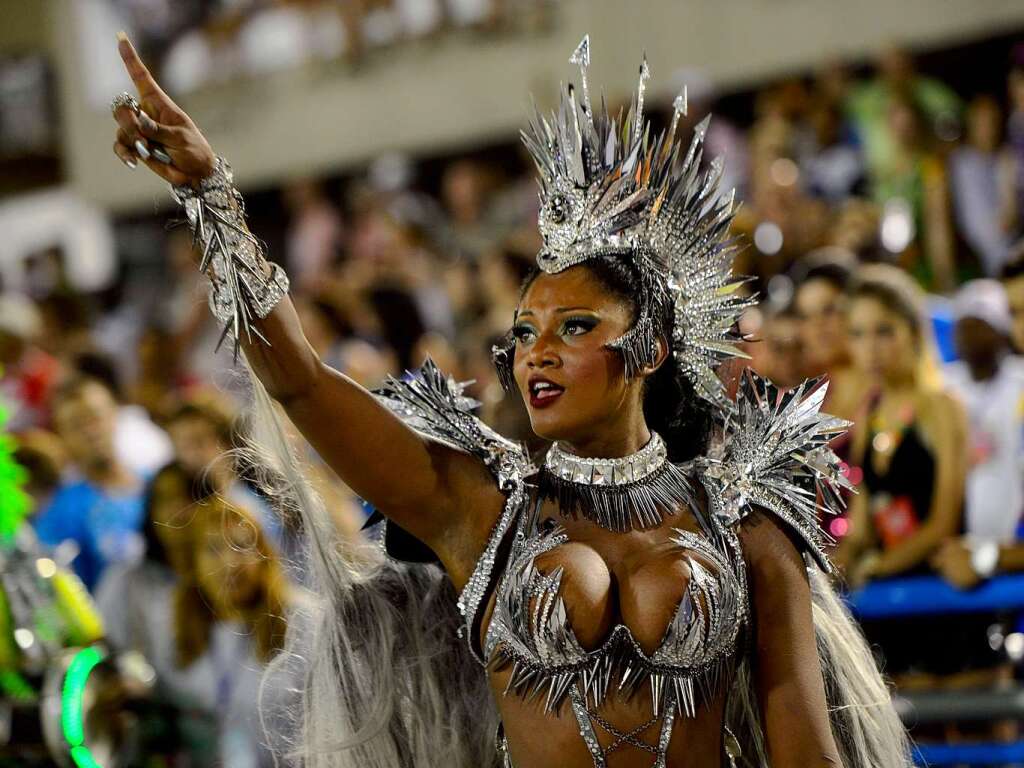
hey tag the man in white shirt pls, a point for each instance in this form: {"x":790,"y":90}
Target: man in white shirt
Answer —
{"x":991,"y":383}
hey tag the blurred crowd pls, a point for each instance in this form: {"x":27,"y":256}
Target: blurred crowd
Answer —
{"x":883,"y":217}
{"x":194,"y":43}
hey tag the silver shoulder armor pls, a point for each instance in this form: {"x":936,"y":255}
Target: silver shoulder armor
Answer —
{"x":434,"y":405}
{"x":773,"y":453}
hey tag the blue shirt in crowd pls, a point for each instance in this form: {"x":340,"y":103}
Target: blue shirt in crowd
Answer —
{"x":106,"y":527}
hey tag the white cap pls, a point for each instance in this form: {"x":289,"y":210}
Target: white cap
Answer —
{"x":984,"y":300}
{"x":19,"y":316}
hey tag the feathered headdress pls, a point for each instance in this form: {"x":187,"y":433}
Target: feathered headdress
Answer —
{"x":610,"y":188}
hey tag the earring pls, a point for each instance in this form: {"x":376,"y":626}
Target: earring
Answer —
{"x":503,"y":358}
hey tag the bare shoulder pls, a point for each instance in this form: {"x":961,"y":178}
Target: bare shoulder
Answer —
{"x":942,"y":413}
{"x":847,"y":391}
{"x":769,"y":546}
{"x":935,"y":401}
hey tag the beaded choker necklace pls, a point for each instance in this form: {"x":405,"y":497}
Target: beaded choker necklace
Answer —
{"x":622,"y":494}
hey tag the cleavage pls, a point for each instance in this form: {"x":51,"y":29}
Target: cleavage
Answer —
{"x":636,"y":579}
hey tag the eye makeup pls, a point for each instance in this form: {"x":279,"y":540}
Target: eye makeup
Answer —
{"x":520,"y":331}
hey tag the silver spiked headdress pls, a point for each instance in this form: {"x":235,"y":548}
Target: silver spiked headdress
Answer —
{"x":611,"y":188}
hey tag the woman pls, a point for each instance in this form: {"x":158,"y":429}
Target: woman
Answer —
{"x":136,"y":599}
{"x":820,"y":301}
{"x":911,"y":460}
{"x":908,"y":452}
{"x":137,"y":602}
{"x":639,"y":596}
{"x":229,"y":613}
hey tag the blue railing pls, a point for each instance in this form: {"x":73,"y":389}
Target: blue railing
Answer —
{"x":922,"y":595}
{"x":969,"y":754}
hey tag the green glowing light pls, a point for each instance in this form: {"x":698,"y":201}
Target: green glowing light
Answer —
{"x":83,"y":758}
{"x":75,"y":680}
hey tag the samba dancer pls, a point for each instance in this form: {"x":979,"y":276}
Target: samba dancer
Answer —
{"x":642,"y":598}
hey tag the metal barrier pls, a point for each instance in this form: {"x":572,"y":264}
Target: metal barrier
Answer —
{"x":922,"y":595}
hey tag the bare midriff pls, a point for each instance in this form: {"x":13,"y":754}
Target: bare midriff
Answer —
{"x":539,"y":739}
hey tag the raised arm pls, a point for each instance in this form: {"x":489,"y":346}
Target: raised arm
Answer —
{"x":442,"y":496}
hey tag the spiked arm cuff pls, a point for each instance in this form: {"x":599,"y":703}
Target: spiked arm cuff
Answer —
{"x":244,"y":285}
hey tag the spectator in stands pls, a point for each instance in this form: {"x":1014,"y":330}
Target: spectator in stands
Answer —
{"x":44,"y":458}
{"x":137,"y":599}
{"x":820,"y":302}
{"x":466,"y":188}
{"x":912,"y":463}
{"x":989,"y":547}
{"x":314,"y":235}
{"x":99,"y":509}
{"x":66,"y":329}
{"x":896,"y":78}
{"x":157,"y":377}
{"x":1013,"y":282}
{"x":1013,"y":207}
{"x":855,"y":228}
{"x":832,"y":165}
{"x":202,"y":429}
{"x":913,"y":184}
{"x":141,"y":445}
{"x":782,"y":221}
{"x":990,"y":382}
{"x":913,"y":468}
{"x":188,"y":333}
{"x":781,"y":331}
{"x":967,"y":560}
{"x":977,"y":169}
{"x":325,"y":329}
{"x":230,"y":620}
{"x":27,"y":372}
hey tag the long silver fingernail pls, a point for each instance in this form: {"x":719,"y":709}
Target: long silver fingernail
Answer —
{"x":140,"y":147}
{"x":130,"y":163}
{"x":162,"y":156}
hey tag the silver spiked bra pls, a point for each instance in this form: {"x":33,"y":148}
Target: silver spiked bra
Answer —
{"x":610,"y":187}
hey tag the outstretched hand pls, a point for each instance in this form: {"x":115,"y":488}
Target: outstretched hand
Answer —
{"x":159,"y":124}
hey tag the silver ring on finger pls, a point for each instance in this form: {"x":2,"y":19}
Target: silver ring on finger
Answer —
{"x":124,"y":99}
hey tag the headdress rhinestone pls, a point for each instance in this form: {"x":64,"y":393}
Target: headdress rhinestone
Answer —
{"x":610,"y":187}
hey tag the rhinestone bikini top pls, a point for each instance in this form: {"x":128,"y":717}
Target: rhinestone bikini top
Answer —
{"x":530,"y":632}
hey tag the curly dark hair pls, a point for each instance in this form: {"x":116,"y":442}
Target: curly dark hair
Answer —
{"x":671,"y":405}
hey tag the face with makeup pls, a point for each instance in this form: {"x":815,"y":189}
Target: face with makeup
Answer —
{"x":883,"y":343}
{"x":574,"y":387}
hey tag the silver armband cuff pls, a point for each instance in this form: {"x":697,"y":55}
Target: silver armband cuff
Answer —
{"x":232,"y":257}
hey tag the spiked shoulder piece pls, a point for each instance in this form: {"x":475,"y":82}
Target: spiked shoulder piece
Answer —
{"x":774,"y":454}
{"x":433,"y":404}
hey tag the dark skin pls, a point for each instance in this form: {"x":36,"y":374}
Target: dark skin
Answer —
{"x":449,"y":500}
{"x":981,"y":346}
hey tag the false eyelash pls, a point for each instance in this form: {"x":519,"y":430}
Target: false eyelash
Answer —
{"x":517,"y":331}
{"x":585,"y":322}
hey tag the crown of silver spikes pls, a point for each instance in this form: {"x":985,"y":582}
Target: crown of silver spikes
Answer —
{"x":608,"y":187}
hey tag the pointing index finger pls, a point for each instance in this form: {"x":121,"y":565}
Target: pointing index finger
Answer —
{"x":143,"y":80}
